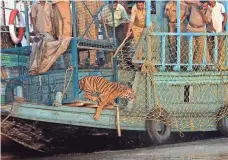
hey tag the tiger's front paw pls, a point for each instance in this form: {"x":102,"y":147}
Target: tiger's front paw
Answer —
{"x":96,"y":116}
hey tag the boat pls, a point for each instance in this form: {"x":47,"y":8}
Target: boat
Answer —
{"x":41,"y":111}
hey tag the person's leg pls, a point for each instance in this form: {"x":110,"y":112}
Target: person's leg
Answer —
{"x":210,"y":46}
{"x":108,"y":55}
{"x":64,"y":9}
{"x":194,"y":49}
{"x":81,"y":20}
{"x":58,"y":22}
{"x":92,"y":32}
{"x":137,"y":32}
{"x":172,"y":45}
{"x":199,"y":49}
{"x":120,"y":34}
{"x":82,"y":55}
{"x":184,"y":46}
{"x":222,"y":52}
{"x":81,"y":26}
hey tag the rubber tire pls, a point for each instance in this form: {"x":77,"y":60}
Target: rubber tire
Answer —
{"x":154,"y":135}
{"x":222,"y":126}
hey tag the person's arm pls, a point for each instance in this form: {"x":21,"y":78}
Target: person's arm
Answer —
{"x":223,"y":12}
{"x":224,"y":21}
{"x":132,"y":20}
{"x":52,"y":20}
{"x":183,"y":18}
{"x":186,"y":14}
{"x":166,"y":12}
{"x":206,"y":17}
{"x":212,"y":27}
{"x":124,"y":15}
{"x":102,"y":17}
{"x":33,"y":15}
{"x":34,"y":25}
{"x":130,"y":25}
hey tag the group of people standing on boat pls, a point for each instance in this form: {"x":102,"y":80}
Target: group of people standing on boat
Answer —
{"x":203,"y":16}
{"x":55,"y":18}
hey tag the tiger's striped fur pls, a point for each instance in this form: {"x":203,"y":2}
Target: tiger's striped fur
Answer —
{"x":107,"y":91}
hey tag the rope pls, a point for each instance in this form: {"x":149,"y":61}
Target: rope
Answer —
{"x":65,"y":87}
{"x":65,"y":80}
{"x":149,"y":68}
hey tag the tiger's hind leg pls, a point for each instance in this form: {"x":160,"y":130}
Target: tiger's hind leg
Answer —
{"x":89,"y":96}
{"x":99,"y":110}
{"x":101,"y":106}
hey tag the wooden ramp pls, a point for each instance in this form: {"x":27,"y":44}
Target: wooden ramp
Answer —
{"x":87,"y":104}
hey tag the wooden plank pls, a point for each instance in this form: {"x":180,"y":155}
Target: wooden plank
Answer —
{"x":87,"y":104}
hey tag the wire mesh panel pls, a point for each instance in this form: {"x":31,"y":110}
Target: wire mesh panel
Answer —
{"x":193,"y":97}
{"x":90,"y":16}
{"x":42,"y":88}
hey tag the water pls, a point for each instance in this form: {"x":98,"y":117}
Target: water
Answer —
{"x":134,"y":145}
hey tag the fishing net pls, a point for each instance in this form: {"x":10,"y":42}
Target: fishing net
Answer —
{"x":193,"y":96}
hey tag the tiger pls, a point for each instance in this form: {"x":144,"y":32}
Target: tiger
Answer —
{"x":107,"y":92}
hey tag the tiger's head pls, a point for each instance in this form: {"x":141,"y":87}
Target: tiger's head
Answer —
{"x":128,"y":94}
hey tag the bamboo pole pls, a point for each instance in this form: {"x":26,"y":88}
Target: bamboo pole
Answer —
{"x":118,"y":121}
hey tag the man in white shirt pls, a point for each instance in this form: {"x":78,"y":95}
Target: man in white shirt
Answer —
{"x":219,"y":16}
{"x":218,"y":23}
{"x":121,"y":18}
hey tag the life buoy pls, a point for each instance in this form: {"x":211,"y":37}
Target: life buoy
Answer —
{"x":12,"y":17}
